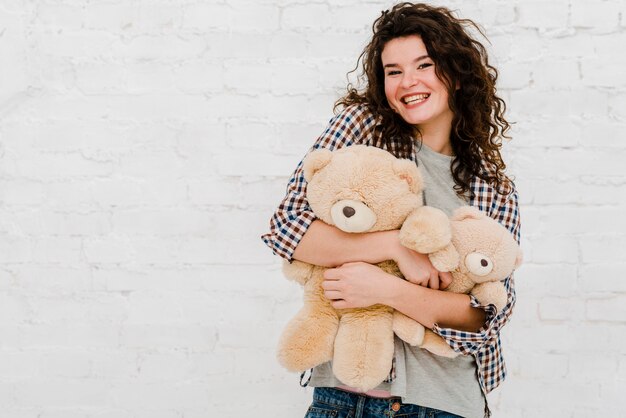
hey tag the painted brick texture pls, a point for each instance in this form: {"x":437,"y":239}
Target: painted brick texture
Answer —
{"x":144,"y":145}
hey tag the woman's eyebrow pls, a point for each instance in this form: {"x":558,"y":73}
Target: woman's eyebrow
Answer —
{"x":420,"y":58}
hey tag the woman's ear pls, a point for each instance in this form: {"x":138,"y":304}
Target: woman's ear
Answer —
{"x":315,"y":161}
{"x":519,"y":258}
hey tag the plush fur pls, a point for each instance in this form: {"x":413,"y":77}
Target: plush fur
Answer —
{"x":357,"y":189}
{"x":480,"y":255}
{"x":365,"y":189}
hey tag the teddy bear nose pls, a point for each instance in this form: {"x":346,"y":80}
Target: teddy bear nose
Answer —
{"x":348,"y":211}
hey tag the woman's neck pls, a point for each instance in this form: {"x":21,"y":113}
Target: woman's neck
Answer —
{"x":437,"y":138}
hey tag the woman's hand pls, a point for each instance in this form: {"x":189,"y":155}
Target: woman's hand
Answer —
{"x":357,"y":285}
{"x":418,"y":269}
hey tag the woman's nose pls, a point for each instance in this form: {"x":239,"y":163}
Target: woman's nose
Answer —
{"x":409,"y":79}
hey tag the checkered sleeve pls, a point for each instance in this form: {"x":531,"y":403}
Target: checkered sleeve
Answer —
{"x":353,"y":125}
{"x":485,"y":344}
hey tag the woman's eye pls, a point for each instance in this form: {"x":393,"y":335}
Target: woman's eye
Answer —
{"x":393,"y":73}
{"x":424,"y":65}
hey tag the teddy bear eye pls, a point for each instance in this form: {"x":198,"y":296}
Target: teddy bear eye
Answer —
{"x":478,"y":264}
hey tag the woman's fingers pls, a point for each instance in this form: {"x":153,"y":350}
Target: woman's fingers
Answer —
{"x":332,"y":294}
{"x":331,"y":284}
{"x":339,"y":304}
{"x":331,"y":274}
{"x":331,"y":289}
{"x":420,"y":276}
{"x":445,"y":279}
{"x":433,"y":282}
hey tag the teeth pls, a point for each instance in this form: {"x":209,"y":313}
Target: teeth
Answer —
{"x":415,"y":98}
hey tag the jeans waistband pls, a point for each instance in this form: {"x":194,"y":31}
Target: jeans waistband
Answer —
{"x":344,"y":399}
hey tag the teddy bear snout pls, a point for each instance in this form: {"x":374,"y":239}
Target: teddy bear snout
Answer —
{"x":352,"y":216}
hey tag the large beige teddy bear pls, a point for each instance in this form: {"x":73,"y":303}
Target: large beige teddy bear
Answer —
{"x":357,"y":189}
{"x":480,"y":255}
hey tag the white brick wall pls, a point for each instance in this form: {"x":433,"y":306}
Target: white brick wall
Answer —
{"x":144,"y":144}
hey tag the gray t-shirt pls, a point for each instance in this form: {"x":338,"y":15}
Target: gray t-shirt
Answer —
{"x":423,"y":378}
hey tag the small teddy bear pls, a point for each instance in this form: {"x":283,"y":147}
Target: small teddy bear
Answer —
{"x":357,"y":189}
{"x":480,"y":255}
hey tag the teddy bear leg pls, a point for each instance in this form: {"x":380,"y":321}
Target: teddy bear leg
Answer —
{"x":436,"y":345}
{"x":308,"y":339}
{"x":407,"y":329}
{"x":364,"y":348}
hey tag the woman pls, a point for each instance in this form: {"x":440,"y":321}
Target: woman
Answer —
{"x":430,"y":96}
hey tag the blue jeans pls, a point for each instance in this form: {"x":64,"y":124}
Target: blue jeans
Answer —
{"x":336,"y":403}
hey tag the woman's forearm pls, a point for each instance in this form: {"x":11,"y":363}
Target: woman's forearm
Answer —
{"x":430,"y":307}
{"x":328,"y":246}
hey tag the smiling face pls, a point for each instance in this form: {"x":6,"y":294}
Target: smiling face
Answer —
{"x":412,"y":88}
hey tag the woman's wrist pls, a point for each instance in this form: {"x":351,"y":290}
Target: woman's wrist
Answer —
{"x":391,"y":247}
{"x":397,"y":289}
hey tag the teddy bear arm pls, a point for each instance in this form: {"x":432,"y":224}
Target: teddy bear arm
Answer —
{"x":426,"y":230}
{"x":308,"y":338}
{"x":297,"y":271}
{"x":491,"y":293}
{"x":446,"y":259}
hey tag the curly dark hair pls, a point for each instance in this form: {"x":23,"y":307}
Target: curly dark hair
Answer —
{"x":461,"y":63}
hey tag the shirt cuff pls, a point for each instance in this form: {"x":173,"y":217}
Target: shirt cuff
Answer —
{"x":284,"y":241}
{"x":465,"y":342}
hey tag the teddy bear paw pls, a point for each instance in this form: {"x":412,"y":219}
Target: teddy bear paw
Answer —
{"x":426,"y":230}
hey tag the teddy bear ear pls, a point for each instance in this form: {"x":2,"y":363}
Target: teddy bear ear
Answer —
{"x":519,"y":258}
{"x":467,"y":212}
{"x":315,"y":161}
{"x":408,"y":171}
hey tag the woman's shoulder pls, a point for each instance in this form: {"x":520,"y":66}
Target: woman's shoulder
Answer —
{"x":352,"y":124}
{"x":492,"y":192}
{"x":359,"y":114}
{"x":489,"y":196}
{"x":499,"y":203}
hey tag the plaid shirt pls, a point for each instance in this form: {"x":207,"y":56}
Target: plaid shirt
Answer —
{"x":355,"y":125}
